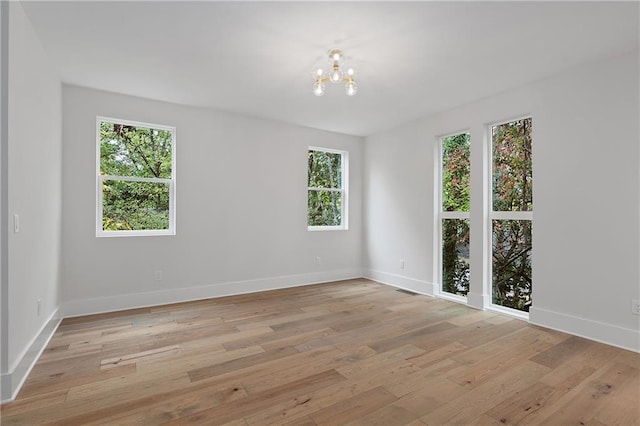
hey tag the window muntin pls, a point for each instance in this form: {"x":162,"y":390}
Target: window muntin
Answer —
{"x":455,"y":174}
{"x":512,"y":214}
{"x":326,"y":189}
{"x":136,"y":178}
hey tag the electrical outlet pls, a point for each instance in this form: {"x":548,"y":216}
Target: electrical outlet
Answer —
{"x":401,"y":263}
{"x":39,"y":307}
{"x":318,"y":260}
{"x":158,"y":275}
{"x":635,"y":306}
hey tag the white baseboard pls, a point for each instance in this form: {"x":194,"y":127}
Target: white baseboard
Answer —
{"x":12,"y":381}
{"x":73,"y":308}
{"x":399,"y":281}
{"x":613,"y":335}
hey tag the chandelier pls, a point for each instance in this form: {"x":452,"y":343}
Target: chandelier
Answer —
{"x":335,"y":75}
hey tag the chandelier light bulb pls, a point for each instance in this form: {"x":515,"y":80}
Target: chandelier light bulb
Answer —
{"x":335,"y":55}
{"x":318,"y":88}
{"x":351,"y":88}
{"x":335,"y":74}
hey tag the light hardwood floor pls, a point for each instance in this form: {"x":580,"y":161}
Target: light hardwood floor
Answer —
{"x":353,"y":352}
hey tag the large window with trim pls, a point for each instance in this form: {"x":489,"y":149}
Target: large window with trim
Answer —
{"x":135,"y":179}
{"x":511,"y":214}
{"x":327,"y":189}
{"x":455,"y":173}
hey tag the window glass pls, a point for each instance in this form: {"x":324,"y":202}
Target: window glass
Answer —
{"x":512,"y":167}
{"x":456,"y":172}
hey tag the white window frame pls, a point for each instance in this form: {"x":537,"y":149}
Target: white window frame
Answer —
{"x":500,"y":215}
{"x":441,"y":214}
{"x":344,"y":168}
{"x":100,"y":232}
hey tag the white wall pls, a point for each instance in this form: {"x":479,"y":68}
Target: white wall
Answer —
{"x":241,"y":209}
{"x":34,"y":193}
{"x":5,"y":385}
{"x":586,"y":198}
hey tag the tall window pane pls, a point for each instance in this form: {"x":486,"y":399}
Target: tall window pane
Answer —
{"x":455,"y":256}
{"x":454,"y":216}
{"x":512,"y":168}
{"x":456,"y":171}
{"x":512,"y":214}
{"x":511,"y":268}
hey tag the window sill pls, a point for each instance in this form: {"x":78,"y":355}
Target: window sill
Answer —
{"x":155,"y":233}
{"x":327,"y":228}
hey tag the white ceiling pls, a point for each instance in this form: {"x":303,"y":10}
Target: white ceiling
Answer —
{"x":412,"y":59}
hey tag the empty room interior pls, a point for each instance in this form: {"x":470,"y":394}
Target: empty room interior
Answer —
{"x":319,"y":213}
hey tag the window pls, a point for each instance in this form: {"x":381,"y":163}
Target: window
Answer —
{"x":327,"y":189}
{"x":512,"y":214}
{"x":455,"y":172}
{"x":136,"y":178}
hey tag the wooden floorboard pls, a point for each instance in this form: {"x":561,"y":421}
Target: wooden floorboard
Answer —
{"x":352,"y":352}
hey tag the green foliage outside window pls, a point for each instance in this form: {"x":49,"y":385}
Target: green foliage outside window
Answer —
{"x":512,"y":191}
{"x":143,"y":154}
{"x":512,"y":263}
{"x":456,"y":173}
{"x":455,"y":256}
{"x":512,"y":168}
{"x":325,"y":191}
